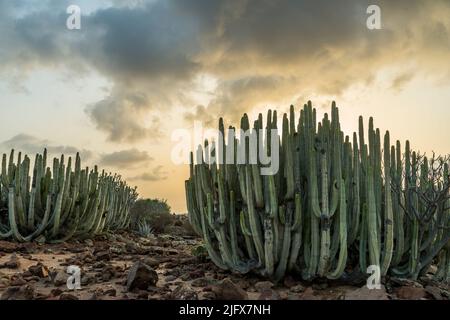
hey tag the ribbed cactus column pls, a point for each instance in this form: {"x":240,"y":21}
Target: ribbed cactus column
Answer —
{"x":388,"y":213}
{"x":334,"y":198}
{"x":56,"y":204}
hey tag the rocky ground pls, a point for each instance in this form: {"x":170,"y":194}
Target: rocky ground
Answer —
{"x":125,"y":266}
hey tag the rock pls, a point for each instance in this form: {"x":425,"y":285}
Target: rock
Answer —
{"x":428,"y":280}
{"x":68,"y":296}
{"x":320,"y":286}
{"x":105,"y":276}
{"x":263,"y":285}
{"x":56,"y":292}
{"x":398,"y":282}
{"x":209,"y":296}
{"x":227,"y":290}
{"x":41,"y":296}
{"x":171,"y":278}
{"x":99,"y":265}
{"x":185,"y":277}
{"x":308,"y":294}
{"x":87,"y":279}
{"x":143,"y":295}
{"x":27,"y":256}
{"x":87,"y":257}
{"x":110,"y":292}
{"x":445,"y":293}
{"x":196,"y":274}
{"x":9,"y":247}
{"x":172,"y":252}
{"x":199,"y":282}
{"x":157,"y":250}
{"x":410,"y":293}
{"x":117,"y":250}
{"x":32,"y":279}
{"x":27,"y":274}
{"x":172,"y":272}
{"x":76,"y":249}
{"x":13,"y":263}
{"x":243,"y":283}
{"x":289,"y":282}
{"x":4,"y":283}
{"x":432,"y":269}
{"x":435,"y":292}
{"x":141,"y":276}
{"x":269,"y":294}
{"x":183,"y":292}
{"x":60,"y":278}
{"x":18,"y":293}
{"x":131,"y":247}
{"x":283,"y":295}
{"x":365,"y":293}
{"x":41,"y":239}
{"x":207,"y":289}
{"x":297,"y":289}
{"x":154,"y":289}
{"x":94,"y":296}
{"x":17,"y":282}
{"x":103,"y":256}
{"x":39,"y":270}
{"x":108,"y":272}
{"x":355,"y":278}
{"x":151,"y":262}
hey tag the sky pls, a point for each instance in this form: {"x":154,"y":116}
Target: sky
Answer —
{"x":137,"y":70}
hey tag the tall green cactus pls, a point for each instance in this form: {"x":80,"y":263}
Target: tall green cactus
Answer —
{"x":59,"y":203}
{"x":332,"y":198}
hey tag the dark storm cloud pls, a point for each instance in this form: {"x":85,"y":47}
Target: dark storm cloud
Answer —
{"x":121,"y":115}
{"x":125,"y":158}
{"x":270,"y":51}
{"x":140,"y":49}
{"x":143,"y":49}
{"x":140,"y":43}
{"x":260,"y":51}
{"x":31,"y":145}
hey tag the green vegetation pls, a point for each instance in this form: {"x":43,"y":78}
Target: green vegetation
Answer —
{"x":337,"y":203}
{"x":154,"y":213}
{"x":58,"y":203}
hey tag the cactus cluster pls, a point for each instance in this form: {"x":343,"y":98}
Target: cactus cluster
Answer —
{"x":54,"y":205}
{"x":337,"y":204}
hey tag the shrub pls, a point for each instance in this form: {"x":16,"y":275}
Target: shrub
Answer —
{"x":154,"y":212}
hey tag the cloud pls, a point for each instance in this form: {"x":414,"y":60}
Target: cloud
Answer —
{"x":122,"y":116}
{"x":157,"y":174}
{"x":125,"y":158}
{"x":401,"y":80}
{"x":31,"y":145}
{"x":236,"y":96}
{"x":290,"y":49}
{"x":260,"y":52}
